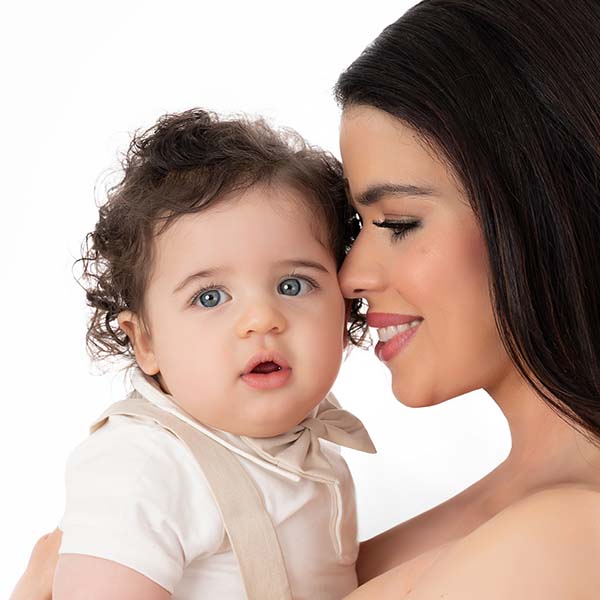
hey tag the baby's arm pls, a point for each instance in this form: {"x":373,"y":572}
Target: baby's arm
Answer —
{"x":81,"y":577}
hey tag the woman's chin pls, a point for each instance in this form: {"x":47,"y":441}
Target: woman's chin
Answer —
{"x":414,"y":398}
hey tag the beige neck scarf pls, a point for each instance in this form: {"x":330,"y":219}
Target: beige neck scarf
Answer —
{"x":296,"y":451}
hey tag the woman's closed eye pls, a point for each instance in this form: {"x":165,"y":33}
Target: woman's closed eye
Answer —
{"x":399,"y":229}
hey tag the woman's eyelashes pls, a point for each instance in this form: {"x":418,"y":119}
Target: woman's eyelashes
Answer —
{"x":214,"y":295}
{"x":399,"y":229}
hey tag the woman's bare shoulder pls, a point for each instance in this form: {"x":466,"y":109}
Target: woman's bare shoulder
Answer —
{"x":407,"y":542}
{"x":542,"y":547}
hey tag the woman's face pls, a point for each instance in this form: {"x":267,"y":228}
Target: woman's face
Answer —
{"x":420,"y":262}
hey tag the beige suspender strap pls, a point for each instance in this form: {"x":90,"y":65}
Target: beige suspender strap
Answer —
{"x":245,"y":519}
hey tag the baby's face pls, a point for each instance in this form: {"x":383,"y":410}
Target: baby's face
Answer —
{"x":245,"y":316}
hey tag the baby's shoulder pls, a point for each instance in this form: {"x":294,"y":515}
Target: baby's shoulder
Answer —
{"x":135,"y":494}
{"x":137,"y":456}
{"x":123,"y":437}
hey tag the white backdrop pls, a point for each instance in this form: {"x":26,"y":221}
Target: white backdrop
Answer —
{"x":77,"y":78}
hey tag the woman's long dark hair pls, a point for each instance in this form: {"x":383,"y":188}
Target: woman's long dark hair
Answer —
{"x":509,"y":92}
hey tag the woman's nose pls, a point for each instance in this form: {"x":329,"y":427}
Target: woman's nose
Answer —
{"x":361,"y":274}
{"x":260,"y":318}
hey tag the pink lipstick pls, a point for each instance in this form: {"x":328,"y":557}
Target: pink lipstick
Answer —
{"x":395,"y":332}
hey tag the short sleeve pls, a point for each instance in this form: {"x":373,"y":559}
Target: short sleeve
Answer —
{"x":135,"y":495}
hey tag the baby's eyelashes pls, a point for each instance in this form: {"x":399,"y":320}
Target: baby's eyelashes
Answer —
{"x":213,"y":295}
{"x":296,"y":286}
{"x":210,"y":297}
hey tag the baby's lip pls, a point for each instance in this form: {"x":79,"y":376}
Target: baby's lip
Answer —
{"x":263,"y":357}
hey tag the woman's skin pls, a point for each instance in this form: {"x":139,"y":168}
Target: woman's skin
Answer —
{"x":531,"y":528}
{"x":36,"y":583}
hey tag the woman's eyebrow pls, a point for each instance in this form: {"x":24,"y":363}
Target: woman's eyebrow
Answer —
{"x":374,"y":193}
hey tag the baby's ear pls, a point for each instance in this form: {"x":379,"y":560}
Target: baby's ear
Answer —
{"x":140,"y":339}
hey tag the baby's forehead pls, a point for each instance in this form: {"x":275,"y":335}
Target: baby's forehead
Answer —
{"x":255,"y":215}
{"x":302,"y":207}
{"x":255,"y":237}
{"x":257,"y":224}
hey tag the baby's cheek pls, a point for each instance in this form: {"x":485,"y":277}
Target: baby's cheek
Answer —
{"x":324,"y":349}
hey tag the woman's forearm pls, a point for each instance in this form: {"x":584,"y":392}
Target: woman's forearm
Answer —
{"x":36,"y":582}
{"x":379,"y":554}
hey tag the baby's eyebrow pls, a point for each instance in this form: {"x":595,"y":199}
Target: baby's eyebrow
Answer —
{"x":204,"y":274}
{"x":301,"y":262}
{"x":217,"y":271}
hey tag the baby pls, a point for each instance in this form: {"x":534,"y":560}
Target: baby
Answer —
{"x":213,"y":268}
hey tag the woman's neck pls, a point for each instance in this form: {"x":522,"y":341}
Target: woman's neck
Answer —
{"x":546,"y":450}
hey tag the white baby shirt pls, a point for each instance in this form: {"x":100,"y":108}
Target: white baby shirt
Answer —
{"x":136,"y":495}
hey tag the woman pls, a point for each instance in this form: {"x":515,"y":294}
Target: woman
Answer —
{"x":471,"y":143}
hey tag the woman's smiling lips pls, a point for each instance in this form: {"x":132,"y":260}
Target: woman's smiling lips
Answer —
{"x":266,"y":371}
{"x":395,"y":331}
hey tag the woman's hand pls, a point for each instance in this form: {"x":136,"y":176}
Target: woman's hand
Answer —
{"x":36,"y":582}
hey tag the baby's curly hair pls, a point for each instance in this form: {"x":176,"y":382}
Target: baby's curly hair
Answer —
{"x":186,"y":163}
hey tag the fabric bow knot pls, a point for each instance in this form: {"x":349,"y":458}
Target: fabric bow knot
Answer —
{"x":297,"y":450}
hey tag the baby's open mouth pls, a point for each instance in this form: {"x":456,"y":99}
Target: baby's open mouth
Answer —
{"x":266,"y":367}
{"x":266,"y":370}
{"x":263,"y":363}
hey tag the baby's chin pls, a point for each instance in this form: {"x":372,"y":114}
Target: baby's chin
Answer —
{"x":271,"y":430}
{"x":276,"y":427}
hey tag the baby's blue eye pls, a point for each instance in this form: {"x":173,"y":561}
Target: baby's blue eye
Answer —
{"x":211,"y":298}
{"x":294,"y":286}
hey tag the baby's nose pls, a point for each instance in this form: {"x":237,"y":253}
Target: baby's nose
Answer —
{"x":260,"y":318}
